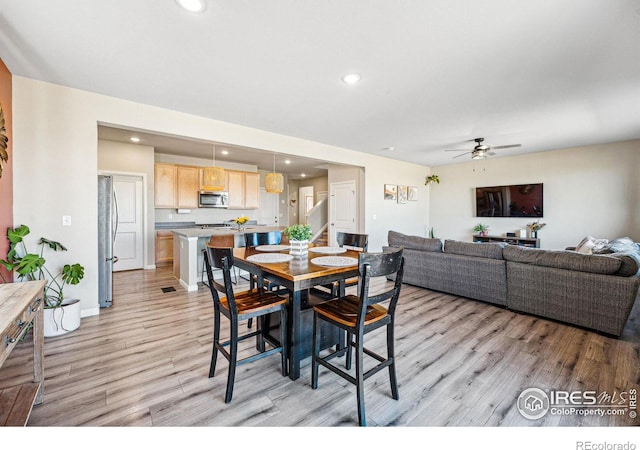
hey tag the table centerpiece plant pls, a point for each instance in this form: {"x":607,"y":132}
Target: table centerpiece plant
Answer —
{"x":299,"y":236}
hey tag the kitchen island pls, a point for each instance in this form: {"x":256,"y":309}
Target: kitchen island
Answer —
{"x":188,"y":244}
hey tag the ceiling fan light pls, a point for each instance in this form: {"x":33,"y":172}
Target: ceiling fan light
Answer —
{"x":478,"y":154}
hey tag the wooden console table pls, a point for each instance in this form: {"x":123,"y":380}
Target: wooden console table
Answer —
{"x":525,"y":242}
{"x":21,"y":305}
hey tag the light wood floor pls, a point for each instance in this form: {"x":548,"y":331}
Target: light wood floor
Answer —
{"x":144,"y":362}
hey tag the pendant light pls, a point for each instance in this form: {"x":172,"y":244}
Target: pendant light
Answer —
{"x":274,"y":182}
{"x":213,"y":177}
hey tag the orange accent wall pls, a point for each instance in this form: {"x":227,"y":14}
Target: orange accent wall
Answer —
{"x":6,"y":182}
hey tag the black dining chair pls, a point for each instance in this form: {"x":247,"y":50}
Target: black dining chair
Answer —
{"x":238,"y":306}
{"x":352,"y":241}
{"x":359,"y":315}
{"x":255,"y":239}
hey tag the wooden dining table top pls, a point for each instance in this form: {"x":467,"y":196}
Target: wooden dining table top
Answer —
{"x":300,"y":267}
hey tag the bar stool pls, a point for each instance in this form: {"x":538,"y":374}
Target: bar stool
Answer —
{"x":223,"y":241}
{"x":359,"y":315}
{"x":238,"y":306}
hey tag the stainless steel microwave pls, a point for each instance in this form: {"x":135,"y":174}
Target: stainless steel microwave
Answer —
{"x":213,"y":199}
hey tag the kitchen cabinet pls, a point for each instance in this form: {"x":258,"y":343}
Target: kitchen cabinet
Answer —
{"x":175,"y":186}
{"x":187,"y":188}
{"x":164,"y":247}
{"x":244,"y":189}
{"x":165,"y":183}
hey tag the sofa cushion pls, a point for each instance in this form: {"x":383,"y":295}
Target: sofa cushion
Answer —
{"x":481,"y":250}
{"x":396,"y":239}
{"x":563,"y":259}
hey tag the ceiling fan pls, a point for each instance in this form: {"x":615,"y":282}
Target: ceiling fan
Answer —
{"x":481,"y":151}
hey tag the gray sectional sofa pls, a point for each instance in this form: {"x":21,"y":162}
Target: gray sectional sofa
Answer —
{"x":591,"y":291}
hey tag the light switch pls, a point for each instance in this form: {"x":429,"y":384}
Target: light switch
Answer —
{"x":66,"y":221}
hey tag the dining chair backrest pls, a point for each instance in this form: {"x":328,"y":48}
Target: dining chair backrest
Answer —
{"x":372,"y":265}
{"x":222,"y":240}
{"x":220,"y":258}
{"x":353,"y":240}
{"x":262,"y":238}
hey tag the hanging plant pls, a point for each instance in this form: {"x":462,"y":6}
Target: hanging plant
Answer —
{"x":431,"y":179}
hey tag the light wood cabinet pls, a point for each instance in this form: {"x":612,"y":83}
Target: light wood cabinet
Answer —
{"x":176,"y":186}
{"x":187,"y":188}
{"x":165,"y":183}
{"x":164,"y":247}
{"x":244,"y":189}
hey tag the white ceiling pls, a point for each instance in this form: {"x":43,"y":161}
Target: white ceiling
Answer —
{"x":436,"y":74}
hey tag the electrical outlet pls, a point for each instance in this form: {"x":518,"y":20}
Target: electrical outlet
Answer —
{"x":66,"y":221}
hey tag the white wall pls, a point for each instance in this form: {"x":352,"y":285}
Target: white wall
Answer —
{"x":591,"y":190}
{"x":56,"y":164}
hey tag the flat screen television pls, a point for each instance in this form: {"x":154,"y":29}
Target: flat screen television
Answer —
{"x":517,"y":200}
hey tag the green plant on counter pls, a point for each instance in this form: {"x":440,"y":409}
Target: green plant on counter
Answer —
{"x":31,"y":266}
{"x":432,"y":233}
{"x":298,"y":232}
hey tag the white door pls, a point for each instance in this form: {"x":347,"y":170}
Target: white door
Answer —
{"x":343,"y":209}
{"x":305,"y":195}
{"x":268,"y":214}
{"x":128,"y":246}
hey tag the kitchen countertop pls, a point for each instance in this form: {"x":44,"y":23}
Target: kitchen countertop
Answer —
{"x":198,"y":232}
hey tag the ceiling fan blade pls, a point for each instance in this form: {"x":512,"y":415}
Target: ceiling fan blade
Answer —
{"x":507,"y":146}
{"x":461,"y":155}
{"x":456,"y":150}
{"x":490,"y":153}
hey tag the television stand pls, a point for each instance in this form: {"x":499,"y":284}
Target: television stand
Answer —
{"x":524,"y":242}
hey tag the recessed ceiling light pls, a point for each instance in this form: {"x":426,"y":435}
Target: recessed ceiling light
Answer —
{"x":192,"y":5}
{"x":287,"y":161}
{"x":351,"y":78}
{"x":388,"y":149}
{"x":225,"y":152}
{"x":134,"y":139}
{"x":303,"y":175}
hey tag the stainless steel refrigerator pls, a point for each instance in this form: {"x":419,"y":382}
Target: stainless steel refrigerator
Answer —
{"x":107,"y":229}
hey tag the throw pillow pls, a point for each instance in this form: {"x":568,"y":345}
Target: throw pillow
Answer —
{"x":619,"y":245}
{"x":590,"y":245}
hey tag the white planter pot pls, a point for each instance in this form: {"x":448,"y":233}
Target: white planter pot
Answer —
{"x":62,"y":320}
{"x":298,"y":248}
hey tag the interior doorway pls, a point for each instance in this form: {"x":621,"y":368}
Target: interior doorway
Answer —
{"x":129,"y":241}
{"x":343,"y":209}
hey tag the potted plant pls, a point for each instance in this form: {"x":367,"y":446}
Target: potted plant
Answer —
{"x":299,"y":236}
{"x":431,"y":179}
{"x":481,"y":229}
{"x":61,"y":315}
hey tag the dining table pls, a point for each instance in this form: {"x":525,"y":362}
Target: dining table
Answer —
{"x":300,"y":276}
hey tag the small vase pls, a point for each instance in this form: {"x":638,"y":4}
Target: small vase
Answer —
{"x":298,"y":248}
